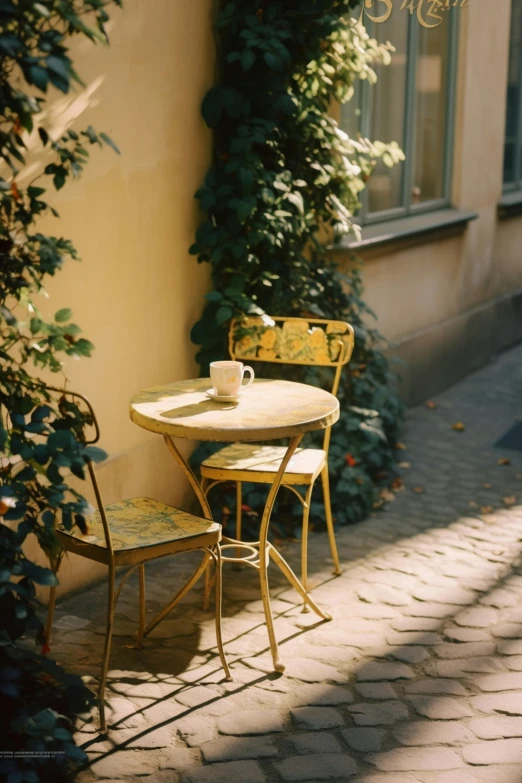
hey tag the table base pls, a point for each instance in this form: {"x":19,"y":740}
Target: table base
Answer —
{"x":260,"y":551}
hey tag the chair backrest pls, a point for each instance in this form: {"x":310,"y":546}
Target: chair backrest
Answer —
{"x":304,"y":341}
{"x":79,"y":399}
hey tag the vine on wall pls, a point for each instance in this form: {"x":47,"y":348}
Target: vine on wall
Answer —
{"x":284,"y":183}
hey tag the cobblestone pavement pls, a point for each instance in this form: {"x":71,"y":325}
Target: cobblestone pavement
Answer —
{"x":418,"y":677}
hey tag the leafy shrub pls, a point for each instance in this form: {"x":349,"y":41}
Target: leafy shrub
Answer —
{"x":40,"y":432}
{"x":284,"y":183}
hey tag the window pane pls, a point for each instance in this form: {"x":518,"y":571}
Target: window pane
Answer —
{"x":387,"y":112}
{"x":513,"y":95}
{"x":430,"y":111}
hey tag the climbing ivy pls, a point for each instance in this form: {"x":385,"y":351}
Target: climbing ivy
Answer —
{"x":284,"y":184}
{"x":41,"y":432}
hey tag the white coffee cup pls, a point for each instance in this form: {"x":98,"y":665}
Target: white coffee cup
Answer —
{"x":227,"y":377}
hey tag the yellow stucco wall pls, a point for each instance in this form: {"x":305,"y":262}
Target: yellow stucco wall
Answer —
{"x":137,"y":291}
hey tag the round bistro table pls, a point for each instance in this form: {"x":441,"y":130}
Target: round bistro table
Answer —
{"x":267,"y":410}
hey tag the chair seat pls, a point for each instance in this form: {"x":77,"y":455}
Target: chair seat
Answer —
{"x":140,"y":524}
{"x":258,"y":463}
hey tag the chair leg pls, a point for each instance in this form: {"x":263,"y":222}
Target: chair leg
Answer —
{"x":209,"y":581}
{"x":49,"y":622}
{"x":239,"y":501}
{"x":141,"y":628}
{"x":208,"y":572}
{"x":107,"y":649}
{"x":219,"y":597}
{"x":50,"y":607}
{"x":304,"y":542}
{"x":329,"y":521}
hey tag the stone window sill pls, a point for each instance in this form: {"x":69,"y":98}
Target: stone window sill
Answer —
{"x":510,"y":205}
{"x":408,"y":231}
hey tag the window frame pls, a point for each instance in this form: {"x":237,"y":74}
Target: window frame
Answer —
{"x":513,"y":187}
{"x":365,"y":218}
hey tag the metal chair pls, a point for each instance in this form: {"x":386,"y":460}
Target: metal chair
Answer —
{"x":131,"y":533}
{"x":301,"y":341}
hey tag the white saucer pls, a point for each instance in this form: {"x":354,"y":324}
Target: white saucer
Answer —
{"x":222,"y":397}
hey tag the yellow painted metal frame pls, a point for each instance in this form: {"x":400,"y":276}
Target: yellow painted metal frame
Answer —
{"x":136,"y":558}
{"x":213,"y":475}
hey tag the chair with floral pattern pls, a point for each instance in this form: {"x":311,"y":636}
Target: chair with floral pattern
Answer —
{"x":301,"y":341}
{"x":131,"y":533}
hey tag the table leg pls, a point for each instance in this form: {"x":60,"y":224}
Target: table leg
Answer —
{"x":265,"y":548}
{"x":189,"y":473}
{"x":199,"y":491}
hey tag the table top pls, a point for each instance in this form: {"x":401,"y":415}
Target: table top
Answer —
{"x":267,"y":410}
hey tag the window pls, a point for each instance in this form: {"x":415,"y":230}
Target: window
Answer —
{"x":412,"y":103}
{"x":513,"y":144}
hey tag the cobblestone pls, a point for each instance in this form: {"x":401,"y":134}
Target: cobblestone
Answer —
{"x":500,"y":682}
{"x":413,"y":759}
{"x":440,"y":707}
{"x":228,"y":772}
{"x":436,"y":686}
{"x":465,"y":650}
{"x":323,"y":766}
{"x":232,"y":748}
{"x":503,"y":751}
{"x":364,"y":739}
{"x":315,"y":742}
{"x":418,"y":678}
{"x":385,"y":714}
{"x":513,"y":647}
{"x":317,"y":717}
{"x":385,"y":671}
{"x":496,"y":727}
{"x":433,"y":732}
{"x":478,"y":617}
{"x":251,"y":722}
{"x":376,"y":690}
{"x":507,"y":703}
{"x":318,"y":694}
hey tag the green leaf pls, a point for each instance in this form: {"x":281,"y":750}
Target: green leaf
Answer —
{"x":10,"y":45}
{"x":273,"y":62}
{"x":297,"y":200}
{"x":109,"y":142}
{"x":65,"y":314}
{"x":83,"y":347}
{"x":212,"y":107}
{"x":61,"y":439}
{"x":38,"y":76}
{"x":248,"y":59}
{"x":42,"y":576}
{"x":33,"y":192}
{"x":224,"y":314}
{"x":91,"y":134}
{"x":246,"y":177}
{"x":95,"y":454}
{"x":232,"y":101}
{"x":214,"y":296}
{"x":62,"y":734}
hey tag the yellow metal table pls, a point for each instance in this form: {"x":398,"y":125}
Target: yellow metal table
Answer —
{"x":267,"y":410}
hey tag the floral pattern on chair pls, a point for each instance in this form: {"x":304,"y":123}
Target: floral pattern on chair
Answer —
{"x":296,"y":341}
{"x":141,"y":522}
